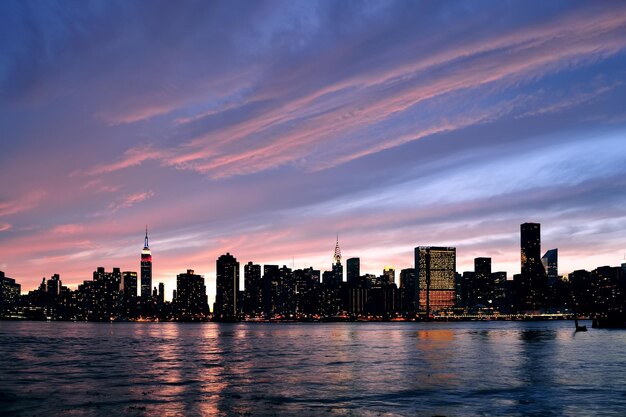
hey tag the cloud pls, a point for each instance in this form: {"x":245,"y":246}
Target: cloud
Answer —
{"x":129,"y":201}
{"x":4,"y":227}
{"x":24,"y":203}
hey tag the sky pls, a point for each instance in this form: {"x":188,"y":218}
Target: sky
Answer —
{"x":264,"y":129}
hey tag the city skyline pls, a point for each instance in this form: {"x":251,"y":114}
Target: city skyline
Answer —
{"x":340,"y":271}
{"x":272,"y":129}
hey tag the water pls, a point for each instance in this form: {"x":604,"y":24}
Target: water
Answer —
{"x":310,"y":369}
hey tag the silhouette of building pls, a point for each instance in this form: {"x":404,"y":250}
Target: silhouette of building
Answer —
{"x":9,"y":294}
{"x":389,"y":274}
{"x":161,"y":295}
{"x":533,"y":283}
{"x":191,"y":298}
{"x":434,"y":269}
{"x":227,"y":287}
{"x":253,"y":294}
{"x":353,"y":270}
{"x":550,"y":261}
{"x":271,"y":284}
{"x":408,"y":291}
{"x":146,"y":269}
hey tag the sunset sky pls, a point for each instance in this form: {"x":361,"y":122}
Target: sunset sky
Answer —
{"x":266,"y":128}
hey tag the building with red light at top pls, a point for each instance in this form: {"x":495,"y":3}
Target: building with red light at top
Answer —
{"x":146,"y":270}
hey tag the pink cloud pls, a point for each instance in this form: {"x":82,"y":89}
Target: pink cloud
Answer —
{"x":4,"y":227}
{"x":130,"y":200}
{"x":23,"y":203}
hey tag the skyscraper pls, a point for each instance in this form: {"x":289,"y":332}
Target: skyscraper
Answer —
{"x":146,"y":270}
{"x":337,"y":267}
{"x":353,"y":270}
{"x":434,"y":269}
{"x":227,"y":287}
{"x":550,"y":261}
{"x":191,"y":298}
{"x":532,"y":286}
{"x":253,"y":289}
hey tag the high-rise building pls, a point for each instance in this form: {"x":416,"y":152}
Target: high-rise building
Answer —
{"x":161,"y":296}
{"x":271,"y":288}
{"x":146,"y":269}
{"x":353,"y":270}
{"x":253,"y":294}
{"x":533,"y":283}
{"x":389,"y":274}
{"x":227,"y":287}
{"x":337,"y":268}
{"x":9,"y":293}
{"x":129,"y":284}
{"x":408,"y":290}
{"x":53,"y":286}
{"x":434,"y":269}
{"x":191,"y":298}
{"x":550,"y":261}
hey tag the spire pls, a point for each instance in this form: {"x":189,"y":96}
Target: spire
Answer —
{"x":337,"y":255}
{"x":145,"y":244}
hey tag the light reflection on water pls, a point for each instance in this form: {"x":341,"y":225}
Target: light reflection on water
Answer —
{"x":334,"y":369}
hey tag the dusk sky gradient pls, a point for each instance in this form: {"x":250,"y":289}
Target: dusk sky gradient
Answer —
{"x":265,"y":128}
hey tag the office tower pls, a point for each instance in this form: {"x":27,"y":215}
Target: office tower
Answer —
{"x":353,"y":270}
{"x":146,"y":269}
{"x":337,"y":268}
{"x":106,"y":294}
{"x":582,"y":287}
{"x":271,"y":284}
{"x":550,"y":261}
{"x":227,"y":287}
{"x":533,"y":283}
{"x":53,"y":286}
{"x":129,"y":284}
{"x":408,"y":290}
{"x":483,"y":287}
{"x":9,"y":294}
{"x":253,"y":293}
{"x":434,"y":269}
{"x":389,"y":274}
{"x":161,"y":296}
{"x":286,"y":305}
{"x":191,"y":298}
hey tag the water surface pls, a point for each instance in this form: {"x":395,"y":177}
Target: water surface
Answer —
{"x":306,"y":369}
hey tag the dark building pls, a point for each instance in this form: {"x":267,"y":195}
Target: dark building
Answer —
{"x":9,"y":294}
{"x":191,"y":298}
{"x":533,"y":283}
{"x":609,"y":291}
{"x":550,"y":261}
{"x":227,"y":288}
{"x":409,"y":291}
{"x":146,"y":269}
{"x":253,"y":294}
{"x":389,"y":274}
{"x":478,"y":286}
{"x":161,"y":296}
{"x":53,"y":286}
{"x":271,"y":288}
{"x":129,"y":284}
{"x":435,"y":268}
{"x":353,"y":270}
{"x":105,"y":294}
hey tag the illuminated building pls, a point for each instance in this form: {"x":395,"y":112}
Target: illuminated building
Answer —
{"x":533,"y":283}
{"x":253,"y":294}
{"x":129,"y":284}
{"x":191,"y":298}
{"x":227,"y":287}
{"x":434,"y":269}
{"x":9,"y":293}
{"x":146,"y":269}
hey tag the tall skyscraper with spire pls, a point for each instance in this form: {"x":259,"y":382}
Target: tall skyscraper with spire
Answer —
{"x":337,"y":267}
{"x":146,"y":269}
